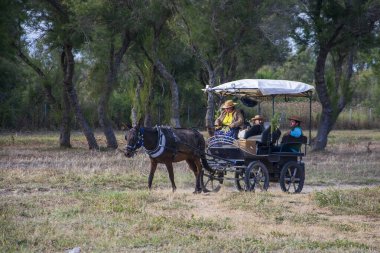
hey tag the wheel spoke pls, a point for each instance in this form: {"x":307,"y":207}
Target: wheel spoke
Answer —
{"x":288,"y":186}
{"x":295,"y":187}
{"x":295,"y":172}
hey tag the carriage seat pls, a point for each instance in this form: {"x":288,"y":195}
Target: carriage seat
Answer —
{"x":267,"y":140}
{"x":292,"y":144}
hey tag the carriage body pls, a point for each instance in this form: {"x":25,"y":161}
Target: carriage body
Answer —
{"x":254,"y":164}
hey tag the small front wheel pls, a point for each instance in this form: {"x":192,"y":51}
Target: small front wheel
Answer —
{"x":211,"y":181}
{"x":292,"y":177}
{"x":256,"y":176}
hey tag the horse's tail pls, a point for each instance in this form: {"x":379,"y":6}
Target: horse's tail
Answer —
{"x":205,"y":164}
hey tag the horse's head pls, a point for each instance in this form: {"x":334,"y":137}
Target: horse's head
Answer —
{"x":134,"y":139}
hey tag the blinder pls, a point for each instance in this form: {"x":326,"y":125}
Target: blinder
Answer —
{"x":137,"y":143}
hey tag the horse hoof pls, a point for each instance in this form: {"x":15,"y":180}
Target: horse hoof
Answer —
{"x":206,"y":190}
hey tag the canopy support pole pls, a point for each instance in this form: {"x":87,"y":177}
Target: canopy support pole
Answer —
{"x":310,"y":100}
{"x":273,"y":106}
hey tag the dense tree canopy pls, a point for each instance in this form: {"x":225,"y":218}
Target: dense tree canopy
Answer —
{"x":68,"y":64}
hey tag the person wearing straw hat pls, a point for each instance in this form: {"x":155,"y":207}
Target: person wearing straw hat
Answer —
{"x":230,"y":120}
{"x":257,"y":127}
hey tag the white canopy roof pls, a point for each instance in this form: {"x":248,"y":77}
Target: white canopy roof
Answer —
{"x":262,"y":88}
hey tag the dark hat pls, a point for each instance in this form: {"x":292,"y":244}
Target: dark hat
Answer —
{"x":295,"y":118}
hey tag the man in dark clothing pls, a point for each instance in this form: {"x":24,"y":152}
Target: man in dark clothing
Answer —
{"x":257,"y":128}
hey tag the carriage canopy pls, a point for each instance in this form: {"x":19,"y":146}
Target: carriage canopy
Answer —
{"x":261,"y":88}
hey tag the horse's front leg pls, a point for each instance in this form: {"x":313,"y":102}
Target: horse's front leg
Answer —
{"x":153,"y":167}
{"x":169,"y":166}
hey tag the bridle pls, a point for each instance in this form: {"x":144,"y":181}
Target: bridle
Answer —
{"x":139,"y":143}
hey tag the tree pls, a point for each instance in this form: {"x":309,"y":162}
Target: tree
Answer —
{"x":227,"y":34}
{"x":338,"y":29}
{"x":63,"y":34}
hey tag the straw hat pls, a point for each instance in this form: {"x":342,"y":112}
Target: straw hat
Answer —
{"x":295,"y":118}
{"x":228,"y":104}
{"x":257,"y":117}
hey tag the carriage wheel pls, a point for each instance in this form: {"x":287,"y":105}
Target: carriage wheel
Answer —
{"x":239,"y":180}
{"x":256,"y":176}
{"x":210,"y":181}
{"x":292,"y":177}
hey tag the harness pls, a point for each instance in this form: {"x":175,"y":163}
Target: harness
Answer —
{"x":160,"y":148}
{"x":167,"y":140}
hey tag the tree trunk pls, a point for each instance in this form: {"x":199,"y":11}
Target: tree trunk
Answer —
{"x":135,"y":112}
{"x":333,"y":101}
{"x":326,"y":121}
{"x":64,"y":137}
{"x":113,"y":69}
{"x":70,"y":89}
{"x":174,"y":119}
{"x":103,"y":102}
{"x":148,"y":107}
{"x":210,"y":117}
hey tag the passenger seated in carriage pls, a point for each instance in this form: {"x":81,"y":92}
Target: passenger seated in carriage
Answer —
{"x":293,"y":139}
{"x":230,"y":120}
{"x":257,"y":128}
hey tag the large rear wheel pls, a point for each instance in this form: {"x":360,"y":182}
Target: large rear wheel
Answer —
{"x":292,"y":177}
{"x":256,"y":176}
{"x":239,"y":180}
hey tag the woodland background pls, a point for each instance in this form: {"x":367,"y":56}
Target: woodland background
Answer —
{"x":75,"y":64}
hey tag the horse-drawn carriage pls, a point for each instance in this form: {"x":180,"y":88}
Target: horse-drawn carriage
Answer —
{"x":256,"y":162}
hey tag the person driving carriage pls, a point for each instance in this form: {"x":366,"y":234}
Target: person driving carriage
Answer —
{"x":295,"y":127}
{"x":230,"y":120}
{"x":293,"y":137}
{"x":257,"y":128}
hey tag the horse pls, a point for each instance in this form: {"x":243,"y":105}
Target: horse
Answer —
{"x":167,"y":146}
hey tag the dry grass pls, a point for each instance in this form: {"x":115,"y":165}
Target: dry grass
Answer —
{"x":52,"y":200}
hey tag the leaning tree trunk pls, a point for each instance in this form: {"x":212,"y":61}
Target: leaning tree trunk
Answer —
{"x":174,"y":119}
{"x":64,"y":137}
{"x":113,"y":69}
{"x":70,"y":89}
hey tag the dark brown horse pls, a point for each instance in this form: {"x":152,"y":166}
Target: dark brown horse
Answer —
{"x":168,"y":145}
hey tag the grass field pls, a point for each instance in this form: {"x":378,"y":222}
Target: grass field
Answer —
{"x":52,"y":200}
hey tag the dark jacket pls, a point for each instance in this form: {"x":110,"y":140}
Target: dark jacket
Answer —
{"x":254,"y":130}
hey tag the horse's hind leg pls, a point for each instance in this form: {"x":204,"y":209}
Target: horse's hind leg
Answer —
{"x":193,"y":166}
{"x":198,"y":165}
{"x":169,"y":166}
{"x":153,"y":167}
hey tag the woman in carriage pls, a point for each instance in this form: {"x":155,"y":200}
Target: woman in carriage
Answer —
{"x":230,"y":120}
